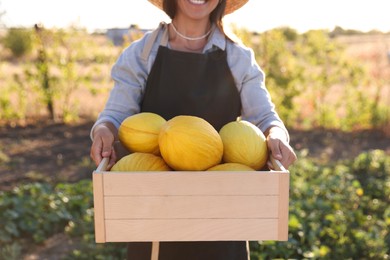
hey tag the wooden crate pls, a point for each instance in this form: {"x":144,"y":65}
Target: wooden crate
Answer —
{"x":190,"y":206}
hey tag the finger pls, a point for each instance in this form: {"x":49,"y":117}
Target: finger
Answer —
{"x":275,"y":150}
{"x":107,"y":146}
{"x":285,"y":162}
{"x":289,"y":157}
{"x":112,"y":159}
{"x":95,"y":153}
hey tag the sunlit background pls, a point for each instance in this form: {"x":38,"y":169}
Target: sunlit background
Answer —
{"x":257,"y":15}
{"x":327,"y":66}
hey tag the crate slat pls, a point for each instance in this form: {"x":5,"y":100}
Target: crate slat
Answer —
{"x":191,"y":229}
{"x":191,"y":183}
{"x":284,"y":183}
{"x":155,"y":207}
{"x":98,"y":201}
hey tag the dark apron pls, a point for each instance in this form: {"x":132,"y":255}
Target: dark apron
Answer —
{"x":183,"y":83}
{"x":202,"y":85}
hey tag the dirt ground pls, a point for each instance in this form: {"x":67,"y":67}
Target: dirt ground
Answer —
{"x":45,"y":152}
{"x":58,"y":152}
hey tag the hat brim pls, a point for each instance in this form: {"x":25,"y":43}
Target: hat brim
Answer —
{"x":231,"y":5}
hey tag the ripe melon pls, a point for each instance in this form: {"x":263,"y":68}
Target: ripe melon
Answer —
{"x":140,"y":162}
{"x":244,"y":143}
{"x":139,"y":132}
{"x":233,"y":167}
{"x":190,"y":143}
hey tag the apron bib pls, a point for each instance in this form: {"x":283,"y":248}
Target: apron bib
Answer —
{"x":202,"y":85}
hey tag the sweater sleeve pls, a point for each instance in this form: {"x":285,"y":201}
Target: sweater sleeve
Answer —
{"x":257,"y":105}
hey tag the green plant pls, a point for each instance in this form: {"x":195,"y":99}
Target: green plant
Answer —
{"x":34,"y":212}
{"x":372,"y":170}
{"x":55,"y":75}
{"x":313,"y":82}
{"x":22,"y":211}
{"x":19,"y":41}
{"x":6,"y":108}
{"x":331,"y":213}
{"x":11,"y":251}
{"x":284,"y":72}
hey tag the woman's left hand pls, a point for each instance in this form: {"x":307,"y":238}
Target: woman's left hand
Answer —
{"x":279,"y":148}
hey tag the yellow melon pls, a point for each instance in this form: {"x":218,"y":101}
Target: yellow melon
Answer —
{"x":190,"y":143}
{"x":230,"y":167}
{"x":140,"y":162}
{"x":244,"y":143}
{"x":139,"y":132}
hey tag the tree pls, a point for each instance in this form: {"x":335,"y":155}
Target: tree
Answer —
{"x":43,"y":68}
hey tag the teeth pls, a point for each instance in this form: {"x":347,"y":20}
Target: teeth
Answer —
{"x":197,"y":2}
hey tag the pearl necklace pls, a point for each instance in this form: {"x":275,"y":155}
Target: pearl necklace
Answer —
{"x":190,"y":38}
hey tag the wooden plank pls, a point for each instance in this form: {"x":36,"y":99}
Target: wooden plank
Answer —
{"x":155,"y":207}
{"x":191,"y":183}
{"x":155,"y":250}
{"x":98,"y":201}
{"x":284,"y":183}
{"x":191,"y":230}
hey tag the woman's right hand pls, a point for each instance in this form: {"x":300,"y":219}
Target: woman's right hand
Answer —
{"x":102,"y":145}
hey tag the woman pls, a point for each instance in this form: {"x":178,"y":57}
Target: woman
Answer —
{"x":190,"y":67}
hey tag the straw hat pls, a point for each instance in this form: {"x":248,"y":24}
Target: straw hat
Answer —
{"x":231,"y":5}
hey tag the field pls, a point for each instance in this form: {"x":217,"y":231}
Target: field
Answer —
{"x":35,"y":149}
{"x":37,"y":146}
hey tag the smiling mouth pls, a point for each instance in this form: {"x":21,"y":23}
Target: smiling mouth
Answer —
{"x":197,"y":2}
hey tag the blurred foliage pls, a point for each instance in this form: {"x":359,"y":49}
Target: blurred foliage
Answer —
{"x":337,"y":211}
{"x":34,"y":212}
{"x":63,"y":61}
{"x":339,"y":31}
{"x":313,"y":82}
{"x":19,"y":41}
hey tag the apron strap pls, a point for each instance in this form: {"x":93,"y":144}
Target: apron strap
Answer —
{"x":149,"y":44}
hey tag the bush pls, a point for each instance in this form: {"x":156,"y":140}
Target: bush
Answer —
{"x":19,"y":41}
{"x":37,"y":210}
{"x":34,"y":212}
{"x":335,"y":213}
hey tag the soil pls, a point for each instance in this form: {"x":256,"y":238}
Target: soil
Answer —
{"x":54,"y":152}
{"x":44,"y":151}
